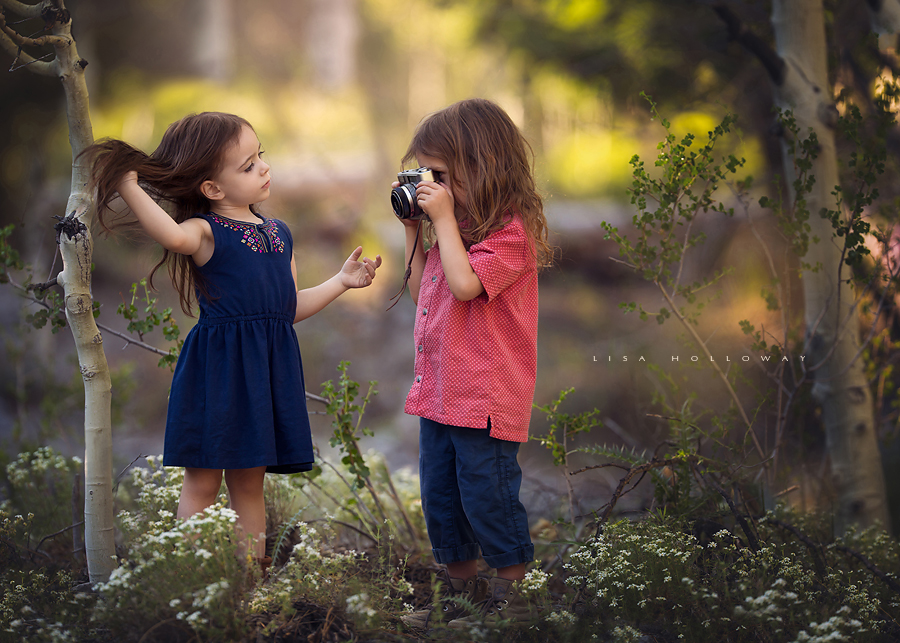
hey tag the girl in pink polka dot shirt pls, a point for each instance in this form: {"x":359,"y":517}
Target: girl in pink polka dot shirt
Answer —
{"x":475,"y":353}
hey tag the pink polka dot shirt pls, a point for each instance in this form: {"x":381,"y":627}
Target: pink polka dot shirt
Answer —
{"x":476,"y":360}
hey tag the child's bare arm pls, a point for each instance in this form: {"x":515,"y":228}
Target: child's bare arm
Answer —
{"x":461,"y":278}
{"x":437,"y":200}
{"x":192,"y":237}
{"x":353,"y":274}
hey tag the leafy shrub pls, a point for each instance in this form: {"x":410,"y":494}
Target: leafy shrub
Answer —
{"x":655,"y":575}
{"x":40,"y":483}
{"x":38,"y":601}
{"x":180,"y":578}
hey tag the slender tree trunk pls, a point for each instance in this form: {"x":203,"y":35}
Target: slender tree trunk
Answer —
{"x":832,"y":319}
{"x":76,"y":249}
{"x":75,"y":278}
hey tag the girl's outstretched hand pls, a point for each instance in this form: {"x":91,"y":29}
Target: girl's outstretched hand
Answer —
{"x":359,"y":274}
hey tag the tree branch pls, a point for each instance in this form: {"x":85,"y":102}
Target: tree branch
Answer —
{"x":55,"y":534}
{"x":773,"y":63}
{"x":41,"y":67}
{"x":25,"y":41}
{"x":872,"y":567}
{"x":24,"y":10}
{"x":131,"y":340}
{"x":752,"y":540}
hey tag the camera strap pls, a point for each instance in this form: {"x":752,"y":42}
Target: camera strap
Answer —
{"x":408,"y":272}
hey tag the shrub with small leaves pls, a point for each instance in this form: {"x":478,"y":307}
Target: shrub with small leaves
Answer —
{"x":655,"y":573}
{"x":183,"y":577}
{"x":40,"y":483}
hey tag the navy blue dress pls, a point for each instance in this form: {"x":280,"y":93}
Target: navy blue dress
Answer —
{"x":238,"y":397}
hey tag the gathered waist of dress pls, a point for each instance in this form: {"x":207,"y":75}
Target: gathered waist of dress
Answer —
{"x":206,"y":320}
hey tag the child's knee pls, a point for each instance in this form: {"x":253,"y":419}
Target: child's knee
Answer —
{"x":245,"y":481}
{"x":202,"y":482}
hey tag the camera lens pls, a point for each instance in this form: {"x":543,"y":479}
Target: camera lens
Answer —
{"x":403,"y":200}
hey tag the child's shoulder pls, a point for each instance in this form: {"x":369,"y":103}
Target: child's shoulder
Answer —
{"x":512,"y":226}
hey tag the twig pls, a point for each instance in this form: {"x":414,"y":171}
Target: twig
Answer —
{"x":25,"y":41}
{"x":624,"y":263}
{"x":131,"y":340}
{"x":41,"y":67}
{"x":399,"y":503}
{"x":119,"y":477}
{"x":815,"y":548}
{"x":632,"y":472}
{"x":42,"y":286}
{"x":13,"y":545}
{"x":731,"y":392}
{"x":53,"y":535}
{"x":787,"y":491}
{"x":890,"y":582}
{"x":347,"y":525}
{"x":601,"y":466}
{"x":752,"y":540}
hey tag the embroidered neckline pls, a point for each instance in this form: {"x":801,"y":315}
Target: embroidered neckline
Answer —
{"x":262,"y":220}
{"x":259,"y":237}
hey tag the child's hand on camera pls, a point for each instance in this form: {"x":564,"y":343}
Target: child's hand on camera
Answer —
{"x":359,"y":274}
{"x":435,"y":199}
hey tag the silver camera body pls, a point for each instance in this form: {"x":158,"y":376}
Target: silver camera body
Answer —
{"x":403,"y":197}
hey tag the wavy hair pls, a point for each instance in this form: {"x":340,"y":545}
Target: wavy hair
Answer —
{"x":191,"y":151}
{"x":487,"y":154}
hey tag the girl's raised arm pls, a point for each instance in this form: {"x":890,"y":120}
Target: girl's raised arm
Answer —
{"x":354,"y":274}
{"x":191,"y":237}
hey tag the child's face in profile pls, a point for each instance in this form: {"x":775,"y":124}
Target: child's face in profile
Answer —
{"x":244,"y":177}
{"x":455,"y":187}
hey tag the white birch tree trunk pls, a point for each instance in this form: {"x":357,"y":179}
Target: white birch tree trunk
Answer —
{"x":832,"y":319}
{"x":76,"y":250}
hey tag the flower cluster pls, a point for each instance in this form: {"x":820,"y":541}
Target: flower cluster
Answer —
{"x":654,"y":571}
{"x":187,"y":571}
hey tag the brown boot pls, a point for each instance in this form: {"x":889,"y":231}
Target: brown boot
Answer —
{"x":449,"y":601}
{"x":503,"y":604}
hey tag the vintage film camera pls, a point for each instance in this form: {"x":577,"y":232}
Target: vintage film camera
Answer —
{"x":403,"y":197}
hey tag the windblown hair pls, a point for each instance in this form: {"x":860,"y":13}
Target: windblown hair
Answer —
{"x":490,"y":159}
{"x":190,"y":152}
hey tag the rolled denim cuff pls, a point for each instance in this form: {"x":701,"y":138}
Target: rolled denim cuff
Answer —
{"x":514,"y":557}
{"x":460,"y":554}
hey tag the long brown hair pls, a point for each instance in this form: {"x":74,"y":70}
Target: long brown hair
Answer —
{"x":190,"y":152}
{"x":487,"y":154}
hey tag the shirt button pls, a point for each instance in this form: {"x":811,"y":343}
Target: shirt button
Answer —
{"x":424,"y":311}
{"x":421,"y":348}
{"x":418,"y":378}
{"x":433,"y":278}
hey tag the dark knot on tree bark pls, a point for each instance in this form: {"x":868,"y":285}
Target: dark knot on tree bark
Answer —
{"x":52,"y":15}
{"x":69,"y":225}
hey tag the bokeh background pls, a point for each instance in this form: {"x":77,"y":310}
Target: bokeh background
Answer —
{"x":335,"y":89}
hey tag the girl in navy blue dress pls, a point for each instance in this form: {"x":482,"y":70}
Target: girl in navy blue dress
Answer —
{"x":238,"y":398}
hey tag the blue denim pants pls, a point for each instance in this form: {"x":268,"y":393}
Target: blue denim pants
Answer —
{"x":470,"y":496}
